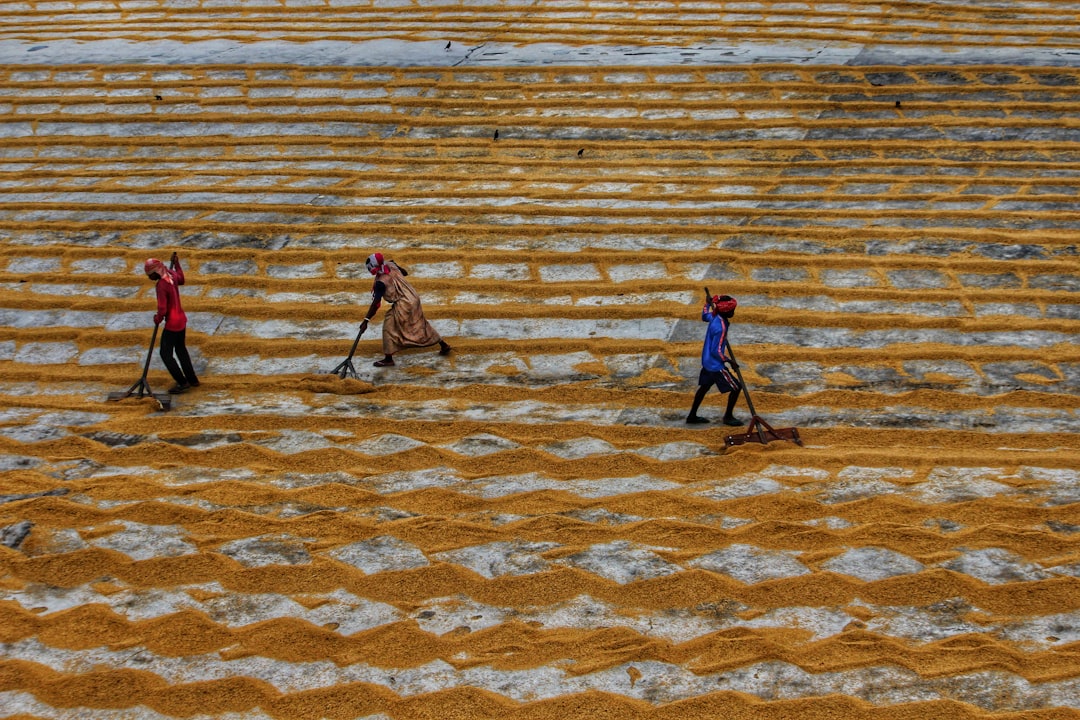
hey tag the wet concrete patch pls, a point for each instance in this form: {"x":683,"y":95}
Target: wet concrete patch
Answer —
{"x":380,"y":554}
{"x":267,"y":550}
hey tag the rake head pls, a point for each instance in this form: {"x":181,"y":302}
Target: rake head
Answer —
{"x":140,"y":390}
{"x":163,"y":401}
{"x":762,"y":432}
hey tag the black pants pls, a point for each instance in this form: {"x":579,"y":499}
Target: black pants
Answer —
{"x":172,"y":343}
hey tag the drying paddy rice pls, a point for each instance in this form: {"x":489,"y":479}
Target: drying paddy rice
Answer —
{"x":527,"y":528}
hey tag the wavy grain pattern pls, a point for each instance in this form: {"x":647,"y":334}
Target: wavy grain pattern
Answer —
{"x":527,"y":528}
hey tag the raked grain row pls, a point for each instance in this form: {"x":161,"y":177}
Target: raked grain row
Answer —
{"x":528,"y":528}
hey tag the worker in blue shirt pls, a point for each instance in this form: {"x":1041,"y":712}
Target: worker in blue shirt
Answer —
{"x":715,"y":357}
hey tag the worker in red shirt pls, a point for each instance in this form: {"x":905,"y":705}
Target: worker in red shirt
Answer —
{"x":173,"y":348}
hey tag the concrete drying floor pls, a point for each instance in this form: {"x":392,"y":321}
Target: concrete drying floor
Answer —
{"x":528,"y":528}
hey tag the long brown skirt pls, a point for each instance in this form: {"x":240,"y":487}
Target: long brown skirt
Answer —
{"x":405,"y":326}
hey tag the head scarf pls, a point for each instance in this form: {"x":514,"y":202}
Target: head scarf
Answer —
{"x":724,"y":303}
{"x":153,"y":265}
{"x":376,"y":265}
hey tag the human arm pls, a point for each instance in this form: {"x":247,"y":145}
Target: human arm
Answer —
{"x":162,"y":302}
{"x":177,"y":271}
{"x":729,"y":358}
{"x":717,"y":341}
{"x":376,"y":300}
{"x":722,"y":354}
{"x":725,"y":350}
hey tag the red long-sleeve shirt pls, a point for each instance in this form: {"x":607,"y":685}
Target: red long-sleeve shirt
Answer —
{"x":168,"y":300}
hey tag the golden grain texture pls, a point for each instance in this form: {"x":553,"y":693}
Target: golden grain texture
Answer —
{"x":527,"y":528}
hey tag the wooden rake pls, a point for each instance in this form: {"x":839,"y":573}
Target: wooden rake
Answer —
{"x":345,"y":368}
{"x":758,"y":430}
{"x":141,"y":388}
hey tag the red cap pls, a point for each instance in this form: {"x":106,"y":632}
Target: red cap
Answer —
{"x":724,"y":303}
{"x":153,"y":265}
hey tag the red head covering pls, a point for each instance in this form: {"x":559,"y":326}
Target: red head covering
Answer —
{"x":153,"y":265}
{"x":376,"y":265}
{"x":724,"y":303}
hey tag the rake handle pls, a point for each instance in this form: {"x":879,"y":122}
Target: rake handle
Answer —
{"x":356,"y":342}
{"x":150,"y":352}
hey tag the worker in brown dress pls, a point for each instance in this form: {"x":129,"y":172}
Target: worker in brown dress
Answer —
{"x":404,"y":325}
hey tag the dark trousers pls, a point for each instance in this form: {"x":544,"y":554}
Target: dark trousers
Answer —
{"x":173,"y":349}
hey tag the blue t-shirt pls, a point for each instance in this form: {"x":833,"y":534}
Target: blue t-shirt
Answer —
{"x":715,"y":350}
